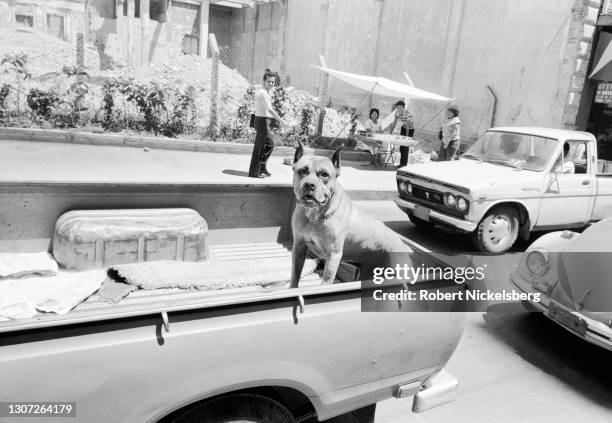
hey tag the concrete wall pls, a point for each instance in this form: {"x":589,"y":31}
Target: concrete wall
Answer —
{"x":518,"y":48}
{"x":70,"y":10}
{"x":254,"y":40}
{"x":526,"y":50}
{"x":220,"y":24}
{"x":148,"y":40}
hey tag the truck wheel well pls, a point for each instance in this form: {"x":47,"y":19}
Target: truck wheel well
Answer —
{"x":294,"y":400}
{"x":523,"y":213}
{"x":524,"y":221}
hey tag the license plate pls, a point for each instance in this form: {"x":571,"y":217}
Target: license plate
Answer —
{"x":421,"y":212}
{"x":567,"y":319}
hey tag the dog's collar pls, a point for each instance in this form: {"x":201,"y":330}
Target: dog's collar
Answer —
{"x":325,"y":216}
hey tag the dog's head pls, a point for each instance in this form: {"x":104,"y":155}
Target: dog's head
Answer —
{"x":314,"y":177}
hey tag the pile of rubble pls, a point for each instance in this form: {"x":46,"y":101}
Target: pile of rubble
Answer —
{"x":47,"y":55}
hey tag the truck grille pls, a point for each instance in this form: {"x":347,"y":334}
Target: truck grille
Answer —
{"x":429,"y":198}
{"x":428,"y":195}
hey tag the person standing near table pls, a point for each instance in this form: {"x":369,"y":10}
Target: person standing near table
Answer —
{"x":451,"y":134}
{"x":406,"y":121}
{"x":264,"y":112}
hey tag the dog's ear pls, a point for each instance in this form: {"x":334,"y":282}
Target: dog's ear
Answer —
{"x":299,"y":152}
{"x":336,"y":159}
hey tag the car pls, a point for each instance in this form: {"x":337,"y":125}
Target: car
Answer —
{"x":511,"y":182}
{"x":571,"y":272}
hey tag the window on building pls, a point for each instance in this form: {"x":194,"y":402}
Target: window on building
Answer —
{"x":191,"y":44}
{"x":136,"y":8}
{"x":24,"y":20}
{"x":55,"y":25}
{"x":24,"y":15}
{"x":157,"y":10}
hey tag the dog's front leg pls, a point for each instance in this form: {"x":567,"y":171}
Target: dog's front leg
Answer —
{"x":331,"y":267}
{"x":298,"y":257}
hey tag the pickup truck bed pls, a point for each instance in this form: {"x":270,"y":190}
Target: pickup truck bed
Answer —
{"x":141,"y":302}
{"x":158,"y":351}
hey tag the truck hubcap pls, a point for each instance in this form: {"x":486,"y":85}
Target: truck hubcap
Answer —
{"x":499,"y":229}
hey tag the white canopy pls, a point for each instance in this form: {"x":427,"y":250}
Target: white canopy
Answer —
{"x":383,"y":86}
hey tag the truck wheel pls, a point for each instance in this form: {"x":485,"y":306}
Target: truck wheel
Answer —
{"x":420,"y":223}
{"x":239,"y":408}
{"x":498,"y":231}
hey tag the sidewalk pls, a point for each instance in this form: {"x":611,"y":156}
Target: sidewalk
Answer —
{"x":28,"y":161}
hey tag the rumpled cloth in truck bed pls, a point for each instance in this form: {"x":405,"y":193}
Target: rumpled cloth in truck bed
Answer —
{"x":25,"y":297}
{"x":15,"y":265}
{"x":207,"y":275}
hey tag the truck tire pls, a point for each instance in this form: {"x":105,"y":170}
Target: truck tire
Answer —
{"x":239,"y":408}
{"x":420,"y":223}
{"x":498,"y":230}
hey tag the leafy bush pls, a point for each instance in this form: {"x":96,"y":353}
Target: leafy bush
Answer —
{"x":182,"y":119}
{"x":78,"y":89}
{"x":4,"y":92}
{"x":15,"y":64}
{"x":42,"y":102}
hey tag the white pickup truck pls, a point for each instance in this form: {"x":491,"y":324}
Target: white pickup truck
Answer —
{"x":243,"y":354}
{"x":510,"y":182}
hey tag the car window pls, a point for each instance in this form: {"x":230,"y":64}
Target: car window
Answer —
{"x":572,"y":159}
{"x":511,"y":149}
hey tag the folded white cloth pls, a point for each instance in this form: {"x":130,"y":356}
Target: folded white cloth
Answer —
{"x":24,"y":298}
{"x":15,"y":265}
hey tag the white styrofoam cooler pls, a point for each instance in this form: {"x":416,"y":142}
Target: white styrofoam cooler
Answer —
{"x":86,"y":239}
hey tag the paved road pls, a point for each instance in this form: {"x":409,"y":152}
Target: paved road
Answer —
{"x":512,"y":366}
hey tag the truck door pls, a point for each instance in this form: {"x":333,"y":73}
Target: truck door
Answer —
{"x":569,"y":189}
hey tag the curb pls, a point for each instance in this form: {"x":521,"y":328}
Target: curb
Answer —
{"x":88,"y":138}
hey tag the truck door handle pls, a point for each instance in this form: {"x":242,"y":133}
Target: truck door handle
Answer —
{"x":586,"y":182}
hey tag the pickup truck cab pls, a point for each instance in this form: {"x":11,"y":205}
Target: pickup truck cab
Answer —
{"x":510,"y":182}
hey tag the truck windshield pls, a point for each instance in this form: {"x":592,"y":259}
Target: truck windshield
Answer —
{"x":520,"y":151}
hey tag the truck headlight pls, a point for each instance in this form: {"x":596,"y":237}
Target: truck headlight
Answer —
{"x":449,"y":200}
{"x":538,"y":262}
{"x":462,"y":204}
{"x":405,"y":187}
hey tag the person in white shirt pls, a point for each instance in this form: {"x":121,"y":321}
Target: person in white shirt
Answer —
{"x":264,"y":112}
{"x":373,"y":124}
{"x":451,"y":134}
{"x":568,"y":165}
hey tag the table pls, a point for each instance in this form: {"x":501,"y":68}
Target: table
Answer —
{"x":393,"y":142}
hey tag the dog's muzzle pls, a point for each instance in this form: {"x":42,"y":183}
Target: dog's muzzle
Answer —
{"x":309,"y":198}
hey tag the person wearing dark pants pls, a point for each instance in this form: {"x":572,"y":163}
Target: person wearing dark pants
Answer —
{"x":264,"y":112}
{"x":405,"y":119}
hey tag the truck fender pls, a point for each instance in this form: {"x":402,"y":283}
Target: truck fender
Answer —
{"x":524,"y":216}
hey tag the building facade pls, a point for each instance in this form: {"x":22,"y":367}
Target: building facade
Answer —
{"x":523,"y":62}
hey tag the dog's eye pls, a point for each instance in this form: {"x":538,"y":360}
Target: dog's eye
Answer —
{"x":302,"y":172}
{"x":324,"y":174}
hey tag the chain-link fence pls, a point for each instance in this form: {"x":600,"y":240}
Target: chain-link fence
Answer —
{"x":238,"y":60}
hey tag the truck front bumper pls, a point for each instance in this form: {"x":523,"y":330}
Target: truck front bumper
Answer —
{"x":437,"y":217}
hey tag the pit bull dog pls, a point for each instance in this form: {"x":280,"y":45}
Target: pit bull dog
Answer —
{"x":326,"y":222}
